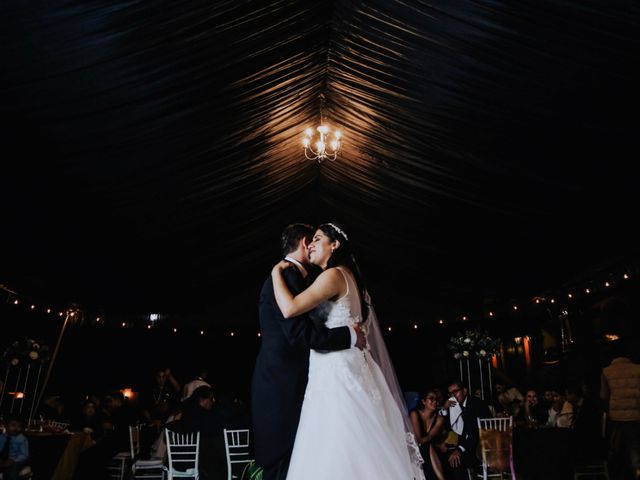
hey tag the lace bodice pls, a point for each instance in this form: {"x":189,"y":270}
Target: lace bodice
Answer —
{"x":346,"y":310}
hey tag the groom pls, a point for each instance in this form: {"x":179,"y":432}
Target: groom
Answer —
{"x":282,"y":366}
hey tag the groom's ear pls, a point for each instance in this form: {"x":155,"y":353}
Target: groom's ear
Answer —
{"x":305,"y":242}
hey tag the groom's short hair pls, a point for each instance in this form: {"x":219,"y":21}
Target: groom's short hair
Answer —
{"x":292,"y":234}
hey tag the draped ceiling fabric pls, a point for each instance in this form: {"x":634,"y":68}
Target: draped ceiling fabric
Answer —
{"x":152,"y":150}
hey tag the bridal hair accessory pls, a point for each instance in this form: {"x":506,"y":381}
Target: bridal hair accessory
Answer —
{"x":339,"y":230}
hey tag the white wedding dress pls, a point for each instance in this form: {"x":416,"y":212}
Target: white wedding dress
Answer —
{"x":350,"y":426}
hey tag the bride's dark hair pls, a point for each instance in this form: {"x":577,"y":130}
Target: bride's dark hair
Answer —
{"x":343,"y":255}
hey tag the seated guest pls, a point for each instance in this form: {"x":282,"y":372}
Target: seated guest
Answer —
{"x":200,"y":380}
{"x":561,"y":412}
{"x":88,"y":420}
{"x":14,"y":449}
{"x":463,"y":413}
{"x":428,"y":428}
{"x":118,"y":416}
{"x":533,"y":413}
{"x":509,"y":399}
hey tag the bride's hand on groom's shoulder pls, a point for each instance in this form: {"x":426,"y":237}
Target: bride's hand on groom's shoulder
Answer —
{"x":281,"y":265}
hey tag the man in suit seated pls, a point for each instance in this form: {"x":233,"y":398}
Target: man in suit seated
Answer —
{"x":463,"y":412}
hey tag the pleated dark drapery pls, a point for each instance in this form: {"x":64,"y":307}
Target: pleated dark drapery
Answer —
{"x":152,"y":150}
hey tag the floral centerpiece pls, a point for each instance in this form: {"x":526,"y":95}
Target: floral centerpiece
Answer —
{"x":473,"y":343}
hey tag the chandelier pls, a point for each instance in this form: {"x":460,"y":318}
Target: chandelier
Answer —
{"x":321,"y":148}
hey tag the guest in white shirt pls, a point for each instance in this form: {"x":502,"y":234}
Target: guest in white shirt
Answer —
{"x":561,"y":412}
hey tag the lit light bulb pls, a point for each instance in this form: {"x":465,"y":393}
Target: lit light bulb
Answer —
{"x":306,"y":142}
{"x":415,"y":326}
{"x":323,"y":129}
{"x":175,"y":330}
{"x":48,"y":310}
{"x":625,"y":276}
{"x":440,"y":322}
{"x":587,"y":290}
{"x":201,"y":332}
{"x":515,"y":307}
{"x":607,"y":284}
{"x":33,"y":307}
{"x":320,"y":146}
{"x":491,"y":314}
{"x":232,"y":334}
{"x":16,"y":302}
{"x":308,"y":132}
{"x":334,"y":145}
{"x":464,"y":318}
{"x":389,"y":328}
{"x":569,"y":295}
{"x":337,"y":134}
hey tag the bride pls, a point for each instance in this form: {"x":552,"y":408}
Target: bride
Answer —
{"x":353,"y":423}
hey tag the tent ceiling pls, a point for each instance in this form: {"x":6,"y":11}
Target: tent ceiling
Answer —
{"x":152,"y":150}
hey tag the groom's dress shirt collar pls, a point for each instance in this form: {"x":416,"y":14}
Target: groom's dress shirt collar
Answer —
{"x":303,"y":270}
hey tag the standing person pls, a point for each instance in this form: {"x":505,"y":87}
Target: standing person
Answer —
{"x":620,"y":390}
{"x":463,"y":413}
{"x":352,"y":425}
{"x":282,"y":365}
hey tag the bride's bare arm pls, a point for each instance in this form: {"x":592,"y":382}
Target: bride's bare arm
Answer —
{"x":329,"y":284}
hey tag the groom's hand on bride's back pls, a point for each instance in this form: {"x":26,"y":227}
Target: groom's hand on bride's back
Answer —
{"x":361,"y":339}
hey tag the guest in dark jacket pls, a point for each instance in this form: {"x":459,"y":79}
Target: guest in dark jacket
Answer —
{"x":463,"y":413}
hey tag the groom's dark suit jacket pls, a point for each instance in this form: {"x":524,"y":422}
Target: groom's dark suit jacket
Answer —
{"x":282,"y":367}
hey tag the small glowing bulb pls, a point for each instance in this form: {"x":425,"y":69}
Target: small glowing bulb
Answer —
{"x":553,"y":300}
{"x":232,"y":334}
{"x":440,"y":322}
{"x":537,"y":300}
{"x":175,"y":330}
{"x":16,"y":302}
{"x":607,"y":284}
{"x":148,"y":327}
{"x":97,"y":319}
{"x":464,"y":317}
{"x":308,"y":132}
{"x":124,"y":324}
{"x":33,"y":307}
{"x":570,"y":295}
{"x":625,"y":276}
{"x":60,"y":314}
{"x":48,"y":310}
{"x":415,"y":326}
{"x":337,"y":134}
{"x":389,"y":328}
{"x":334,"y":145}
{"x":587,"y":290}
{"x":201,"y":332}
{"x":491,"y":314}
{"x":259,"y":334}
{"x":515,"y":307}
{"x":320,"y":146}
{"x":306,"y":142}
{"x":323,"y":129}
{"x":72,"y":314}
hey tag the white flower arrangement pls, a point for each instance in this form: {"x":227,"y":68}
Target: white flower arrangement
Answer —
{"x":474,"y":342}
{"x":25,"y":351}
